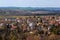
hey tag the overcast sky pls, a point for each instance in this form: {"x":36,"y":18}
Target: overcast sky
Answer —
{"x":29,"y":3}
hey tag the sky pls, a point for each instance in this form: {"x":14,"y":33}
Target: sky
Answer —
{"x":29,"y":3}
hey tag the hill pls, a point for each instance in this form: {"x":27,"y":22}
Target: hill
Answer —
{"x":17,"y":11}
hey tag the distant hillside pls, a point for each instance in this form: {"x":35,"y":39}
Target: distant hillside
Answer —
{"x":32,"y":8}
{"x":28,"y":11}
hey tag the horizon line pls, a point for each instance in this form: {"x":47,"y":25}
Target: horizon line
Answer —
{"x":30,"y":7}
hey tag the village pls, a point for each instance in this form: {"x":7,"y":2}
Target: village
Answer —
{"x":30,"y":28}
